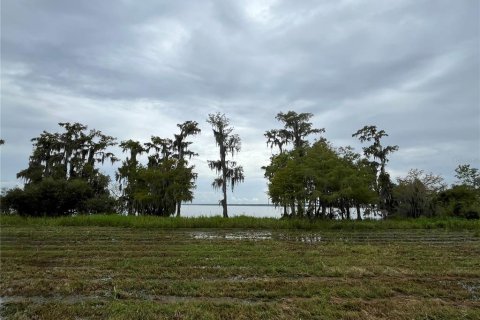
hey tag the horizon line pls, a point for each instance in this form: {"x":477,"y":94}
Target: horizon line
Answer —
{"x":232,"y":204}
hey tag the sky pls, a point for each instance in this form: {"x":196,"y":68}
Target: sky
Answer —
{"x":134,"y":69}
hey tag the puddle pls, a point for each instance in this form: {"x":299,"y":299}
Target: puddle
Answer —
{"x":473,"y":290}
{"x":255,"y":236}
{"x":303,"y":238}
{"x":425,"y":237}
{"x":239,"y":235}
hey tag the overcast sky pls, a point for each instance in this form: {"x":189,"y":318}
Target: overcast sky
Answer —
{"x":133,"y":69}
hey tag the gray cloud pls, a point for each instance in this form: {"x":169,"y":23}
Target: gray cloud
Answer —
{"x":136,"y":69}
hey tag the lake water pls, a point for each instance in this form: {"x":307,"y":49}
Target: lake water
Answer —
{"x":196,"y":210}
{"x":208,"y":210}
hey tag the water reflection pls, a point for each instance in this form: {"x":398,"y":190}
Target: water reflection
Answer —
{"x":239,"y":235}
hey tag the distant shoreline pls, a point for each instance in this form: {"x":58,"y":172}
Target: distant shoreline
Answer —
{"x":229,"y":205}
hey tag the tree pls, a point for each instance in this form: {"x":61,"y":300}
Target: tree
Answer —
{"x":416,"y":194}
{"x":68,"y":155}
{"x":378,"y":152}
{"x":127,"y":174}
{"x":229,"y":172}
{"x":296,"y":129}
{"x":463,"y":199}
{"x":360,"y":183}
{"x":322,"y":178}
{"x":460,"y":201}
{"x":167,"y":180}
{"x":468,"y":176}
{"x":159,"y":188}
{"x":180,"y":146}
{"x":62,"y":177}
{"x":277,"y":138}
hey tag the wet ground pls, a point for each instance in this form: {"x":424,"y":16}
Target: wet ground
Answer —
{"x":122,"y":273}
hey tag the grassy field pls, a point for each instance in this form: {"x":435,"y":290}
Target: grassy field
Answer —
{"x":64,"y":269}
{"x":242,"y":222}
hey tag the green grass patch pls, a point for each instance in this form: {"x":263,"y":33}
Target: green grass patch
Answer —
{"x":240,"y":222}
{"x":55,"y":271}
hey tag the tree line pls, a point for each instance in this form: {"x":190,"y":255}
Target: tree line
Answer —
{"x":307,"y":176}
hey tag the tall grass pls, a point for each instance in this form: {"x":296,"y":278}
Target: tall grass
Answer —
{"x":240,"y":222}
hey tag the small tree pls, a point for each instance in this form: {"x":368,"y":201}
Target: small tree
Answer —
{"x":180,"y":145}
{"x":416,"y":194}
{"x":127,"y":175}
{"x":468,"y":176}
{"x":377,"y":152}
{"x":229,"y":172}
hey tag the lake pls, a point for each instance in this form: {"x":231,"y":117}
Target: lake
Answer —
{"x":196,"y":210}
{"x":208,"y":210}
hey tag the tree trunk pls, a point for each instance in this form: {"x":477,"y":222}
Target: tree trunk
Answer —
{"x":301,"y":208}
{"x":179,"y":204}
{"x":224,"y":185}
{"x":224,"y":201}
{"x":180,"y":161}
{"x":359,"y":215}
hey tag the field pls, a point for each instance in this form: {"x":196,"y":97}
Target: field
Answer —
{"x":69,"y":270}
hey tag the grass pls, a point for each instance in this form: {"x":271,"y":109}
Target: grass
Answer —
{"x":147,"y":268}
{"x":241,"y":222}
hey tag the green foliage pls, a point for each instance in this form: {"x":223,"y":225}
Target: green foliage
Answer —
{"x":61,"y":178}
{"x":287,"y":186}
{"x":68,"y":155}
{"x":241,"y":222}
{"x":180,"y":145}
{"x":52,"y":197}
{"x":311,"y":179}
{"x":317,"y":180}
{"x":103,"y":203}
{"x":468,"y":176}
{"x":127,"y":174}
{"x":374,"y":153}
{"x":159,"y":187}
{"x":416,"y":194}
{"x":296,"y":130}
{"x":460,"y":201}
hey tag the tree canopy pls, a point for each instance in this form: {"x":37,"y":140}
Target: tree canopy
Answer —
{"x":306,"y":175}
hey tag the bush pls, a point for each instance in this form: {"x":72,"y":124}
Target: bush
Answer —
{"x":100,"y":204}
{"x":472,"y":215}
{"x":460,"y":201}
{"x":50,"y":197}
